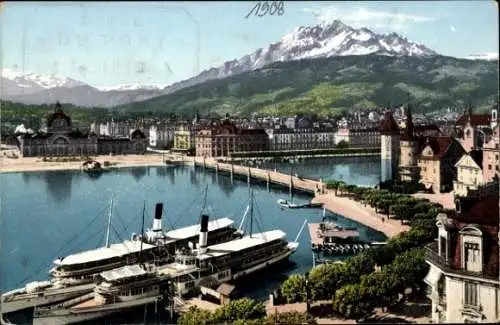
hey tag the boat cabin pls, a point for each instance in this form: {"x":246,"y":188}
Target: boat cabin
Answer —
{"x":330,"y":233}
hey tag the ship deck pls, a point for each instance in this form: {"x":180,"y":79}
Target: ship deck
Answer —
{"x":317,"y":238}
{"x":88,"y":303}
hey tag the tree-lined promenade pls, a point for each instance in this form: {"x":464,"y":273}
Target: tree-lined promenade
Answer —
{"x":379,"y":278}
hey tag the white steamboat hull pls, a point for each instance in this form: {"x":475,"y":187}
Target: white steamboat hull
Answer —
{"x":70,"y":316}
{"x":30,"y":300}
{"x":262,"y":265}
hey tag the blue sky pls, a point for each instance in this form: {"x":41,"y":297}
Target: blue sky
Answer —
{"x":105,"y":44}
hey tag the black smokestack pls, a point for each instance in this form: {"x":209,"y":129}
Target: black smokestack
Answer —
{"x":159,"y":210}
{"x":204,"y":223}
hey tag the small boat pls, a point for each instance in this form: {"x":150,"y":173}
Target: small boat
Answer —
{"x":286,"y":204}
{"x":93,"y":166}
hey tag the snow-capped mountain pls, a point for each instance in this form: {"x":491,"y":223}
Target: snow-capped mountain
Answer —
{"x":30,"y":79}
{"x":320,"y":41}
{"x":135,"y":86}
{"x":323,"y":40}
{"x":483,"y":56}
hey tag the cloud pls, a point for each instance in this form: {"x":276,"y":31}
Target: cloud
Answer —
{"x":453,"y":29}
{"x":362,"y":17}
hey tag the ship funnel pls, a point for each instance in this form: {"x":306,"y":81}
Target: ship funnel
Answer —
{"x":202,"y":247}
{"x":157,"y":220}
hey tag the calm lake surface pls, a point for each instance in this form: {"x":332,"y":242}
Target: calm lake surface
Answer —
{"x":50,"y":214}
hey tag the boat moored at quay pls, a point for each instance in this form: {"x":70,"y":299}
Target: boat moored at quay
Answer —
{"x":76,"y":274}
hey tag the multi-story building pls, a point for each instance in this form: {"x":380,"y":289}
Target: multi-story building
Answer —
{"x":469,"y":173}
{"x":390,"y":147}
{"x":161,"y":135}
{"x":437,"y":162}
{"x":473,"y":129}
{"x":359,"y":137}
{"x":463,"y":278}
{"x":491,"y":152}
{"x":300,"y":139}
{"x":61,"y":140}
{"x":225,"y":138}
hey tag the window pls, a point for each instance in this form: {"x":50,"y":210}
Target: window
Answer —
{"x":489,"y":167}
{"x":471,"y":257}
{"x":470,"y":294}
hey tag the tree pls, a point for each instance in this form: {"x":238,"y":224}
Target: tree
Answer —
{"x":294,"y":288}
{"x":342,"y":144}
{"x":239,"y":309}
{"x":292,"y":317}
{"x":325,"y":279}
{"x":351,"y":302}
{"x":196,"y":316}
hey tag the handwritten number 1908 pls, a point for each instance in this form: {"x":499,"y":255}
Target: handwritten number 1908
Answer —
{"x":263,"y":8}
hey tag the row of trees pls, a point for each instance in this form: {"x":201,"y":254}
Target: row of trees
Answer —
{"x":376,"y":276}
{"x":243,"y":312}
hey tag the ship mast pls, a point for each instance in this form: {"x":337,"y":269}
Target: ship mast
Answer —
{"x":142,"y":226}
{"x":251,"y":212}
{"x":109,"y":221}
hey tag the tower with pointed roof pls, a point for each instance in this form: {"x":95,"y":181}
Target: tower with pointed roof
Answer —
{"x":390,"y":147}
{"x":408,"y":166}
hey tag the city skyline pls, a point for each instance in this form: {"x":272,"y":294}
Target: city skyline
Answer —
{"x":107,"y":44}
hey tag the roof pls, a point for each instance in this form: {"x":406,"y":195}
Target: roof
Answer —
{"x":192,"y":231}
{"x":483,"y":210}
{"x":389,"y":126}
{"x":58,"y":114}
{"x":475,"y":119}
{"x":340,"y":233}
{"x":226,"y":289}
{"x":242,"y":243}
{"x":439,"y":146}
{"x":103,"y":253}
{"x":124,"y":272}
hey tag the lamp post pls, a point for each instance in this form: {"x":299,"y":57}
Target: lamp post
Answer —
{"x":308,"y":302}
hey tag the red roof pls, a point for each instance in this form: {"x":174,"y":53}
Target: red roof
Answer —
{"x":475,"y":119}
{"x":389,"y":126}
{"x":439,"y":146}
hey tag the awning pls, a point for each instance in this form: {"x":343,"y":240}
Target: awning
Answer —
{"x":433,"y":276}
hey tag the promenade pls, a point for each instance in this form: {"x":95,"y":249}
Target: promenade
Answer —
{"x":365,"y":215}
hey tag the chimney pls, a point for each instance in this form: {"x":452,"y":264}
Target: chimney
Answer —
{"x":202,"y":246}
{"x":157,"y":220}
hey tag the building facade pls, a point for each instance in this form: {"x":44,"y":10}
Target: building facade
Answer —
{"x":61,"y":140}
{"x":437,"y":163}
{"x":469,"y":173}
{"x":491,"y":152}
{"x":463,"y":279}
{"x":161,"y":135}
{"x":390,"y":147}
{"x":225,"y":138}
{"x":359,"y":137}
{"x":283,"y":139}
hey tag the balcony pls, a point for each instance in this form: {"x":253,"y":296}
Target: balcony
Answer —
{"x":432,"y":256}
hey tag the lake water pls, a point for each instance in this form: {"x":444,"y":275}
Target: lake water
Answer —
{"x":50,"y":214}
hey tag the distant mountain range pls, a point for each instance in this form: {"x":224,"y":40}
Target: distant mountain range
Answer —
{"x":326,"y":40}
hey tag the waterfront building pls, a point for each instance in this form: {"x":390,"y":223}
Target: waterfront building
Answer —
{"x":410,"y":149}
{"x":161,"y":135}
{"x":283,"y":139}
{"x":463,"y":279}
{"x":223,"y":138}
{"x":59,"y":139}
{"x":359,"y":136}
{"x":469,"y":173}
{"x":390,"y":147}
{"x":437,"y":162}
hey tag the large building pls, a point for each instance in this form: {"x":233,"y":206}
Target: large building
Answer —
{"x":463,"y":279}
{"x":222,"y":139}
{"x":390,"y":147}
{"x":300,"y":138}
{"x":161,"y":135}
{"x":437,"y":163}
{"x":60,"y":139}
{"x":359,"y":137}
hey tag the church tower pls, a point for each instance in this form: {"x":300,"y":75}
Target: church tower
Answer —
{"x":390,"y":147}
{"x":408,"y":167}
{"x":470,"y":136}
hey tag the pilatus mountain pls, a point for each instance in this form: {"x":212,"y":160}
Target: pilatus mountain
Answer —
{"x":334,"y":61}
